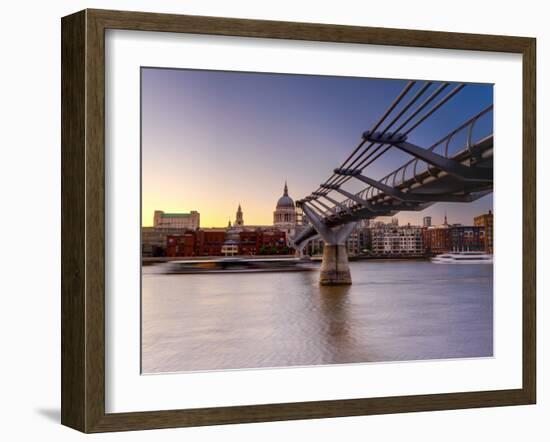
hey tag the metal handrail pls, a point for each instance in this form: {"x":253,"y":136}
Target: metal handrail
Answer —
{"x":447,"y":139}
{"x":471,"y":122}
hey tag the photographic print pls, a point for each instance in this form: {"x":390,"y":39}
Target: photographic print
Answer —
{"x":303,"y":220}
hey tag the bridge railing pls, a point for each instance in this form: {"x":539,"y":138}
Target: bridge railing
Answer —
{"x":416,"y":167}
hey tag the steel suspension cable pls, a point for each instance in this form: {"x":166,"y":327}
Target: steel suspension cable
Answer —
{"x":366,"y":162}
{"x":342,"y":179}
{"x":390,"y":109}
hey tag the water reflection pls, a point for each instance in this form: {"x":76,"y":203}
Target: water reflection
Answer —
{"x":334,"y":314}
{"x":393,"y":311}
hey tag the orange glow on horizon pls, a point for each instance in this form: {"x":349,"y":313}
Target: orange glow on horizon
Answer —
{"x":212,"y":218}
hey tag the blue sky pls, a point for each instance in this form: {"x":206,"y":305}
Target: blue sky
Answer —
{"x":212,"y":139}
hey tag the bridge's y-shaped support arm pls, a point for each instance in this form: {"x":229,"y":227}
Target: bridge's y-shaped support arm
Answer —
{"x":316,"y":222}
{"x":402,"y":196}
{"x":342,"y":232}
{"x":305,"y":235}
{"x":331,"y":236}
{"x":299,"y":241}
{"x":448,"y":165}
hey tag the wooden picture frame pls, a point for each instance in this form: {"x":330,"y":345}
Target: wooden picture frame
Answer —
{"x":83,"y":220}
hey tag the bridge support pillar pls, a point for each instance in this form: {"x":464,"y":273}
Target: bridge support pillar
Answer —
{"x":335,"y":266}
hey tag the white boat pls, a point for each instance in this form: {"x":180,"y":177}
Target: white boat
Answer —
{"x":463,"y":258}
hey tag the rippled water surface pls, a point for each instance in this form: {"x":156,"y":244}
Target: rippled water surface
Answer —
{"x":398,"y":310}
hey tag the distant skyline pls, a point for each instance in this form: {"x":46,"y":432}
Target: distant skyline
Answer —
{"x":212,"y":140}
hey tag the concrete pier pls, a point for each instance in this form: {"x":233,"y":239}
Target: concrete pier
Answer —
{"x":335,"y":266}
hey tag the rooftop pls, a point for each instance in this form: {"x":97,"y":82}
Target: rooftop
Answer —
{"x":175,"y":215}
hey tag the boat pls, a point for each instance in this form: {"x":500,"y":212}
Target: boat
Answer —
{"x":238,"y":265}
{"x":463,"y":258}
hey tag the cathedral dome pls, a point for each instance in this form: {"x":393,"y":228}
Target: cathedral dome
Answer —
{"x":284,"y":217}
{"x":285,"y":202}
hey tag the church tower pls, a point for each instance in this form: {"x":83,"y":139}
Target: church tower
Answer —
{"x":284,"y":216}
{"x":239,"y":221}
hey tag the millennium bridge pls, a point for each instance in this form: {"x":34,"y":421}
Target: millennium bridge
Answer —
{"x":431,"y":174}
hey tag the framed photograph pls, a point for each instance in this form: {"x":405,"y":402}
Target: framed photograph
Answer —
{"x":268,"y":221}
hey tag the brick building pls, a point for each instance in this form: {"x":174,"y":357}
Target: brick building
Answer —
{"x":210,"y":241}
{"x":262,"y":242}
{"x":153,"y":240}
{"x":486,"y":221}
{"x":436,"y":239}
{"x":453,"y":238}
{"x":467,"y":238}
{"x":249,"y":242}
{"x":182,"y":245}
{"x":272,"y":241}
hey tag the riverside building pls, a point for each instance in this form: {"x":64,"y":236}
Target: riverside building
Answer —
{"x":391,"y":240}
{"x":191,"y":220}
{"x":486,"y":221}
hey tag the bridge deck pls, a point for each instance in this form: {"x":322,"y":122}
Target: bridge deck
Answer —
{"x":430,"y":182}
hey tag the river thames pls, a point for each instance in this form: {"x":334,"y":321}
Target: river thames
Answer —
{"x":394,"y":311}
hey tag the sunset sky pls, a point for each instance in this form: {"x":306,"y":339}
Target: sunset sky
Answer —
{"x":212,"y":140}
